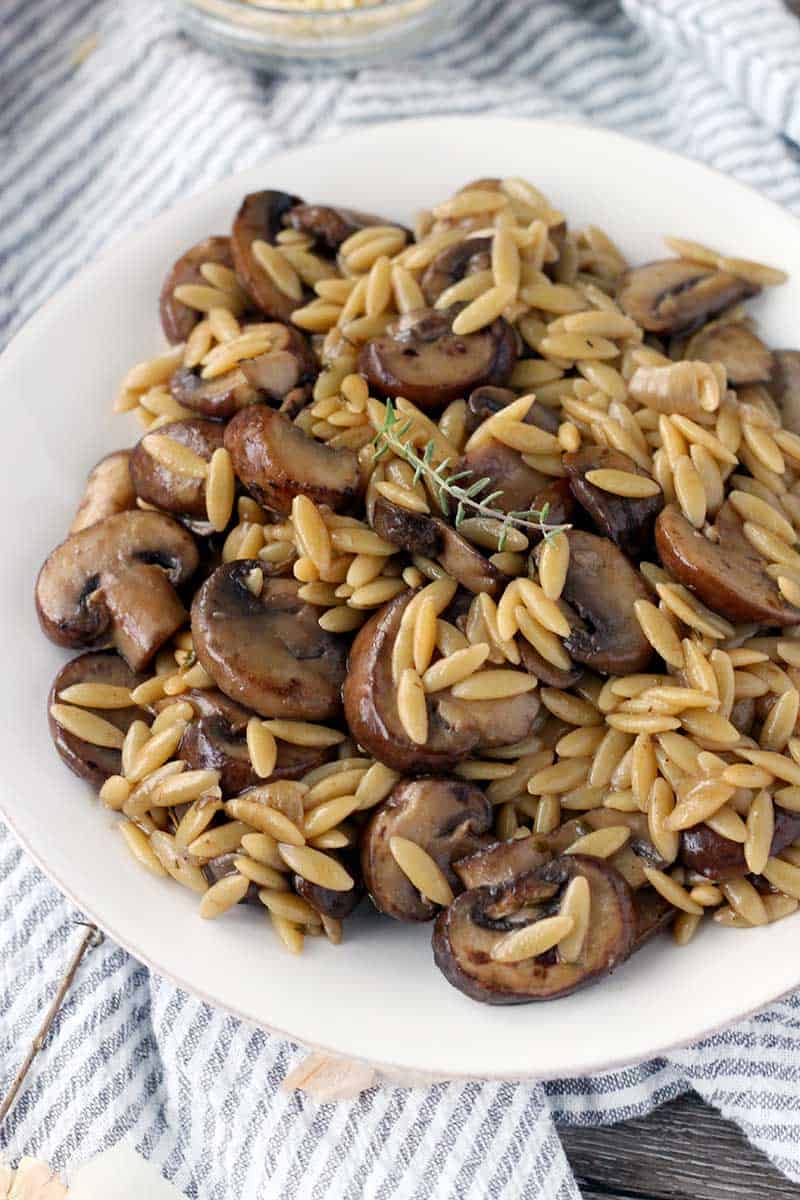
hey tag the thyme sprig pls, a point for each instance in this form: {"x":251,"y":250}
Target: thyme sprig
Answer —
{"x":450,"y":490}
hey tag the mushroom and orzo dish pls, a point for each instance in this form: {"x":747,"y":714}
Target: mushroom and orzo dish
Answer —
{"x":458,"y":566}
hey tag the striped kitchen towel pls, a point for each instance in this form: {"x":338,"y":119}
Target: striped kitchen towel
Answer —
{"x":93,"y":146}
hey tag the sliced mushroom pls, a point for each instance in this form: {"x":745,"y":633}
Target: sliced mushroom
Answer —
{"x":545,"y":671}
{"x":267,"y":651}
{"x":285,"y":374}
{"x":276,"y":461}
{"x":261,"y":218}
{"x":508,"y":470}
{"x":418,"y":533}
{"x":628,"y":521}
{"x":456,"y":728}
{"x":675,"y":295}
{"x":468,"y":930}
{"x":448,"y":818}
{"x":216,"y":740}
{"x":224,"y":865}
{"x":602,"y":586}
{"x":785,"y":387}
{"x":454,"y":263}
{"x":328,"y":225}
{"x":744,"y":356}
{"x":420,"y":357}
{"x":177,"y":319}
{"x":653,"y":914}
{"x":114,"y":584}
{"x":485,"y":402}
{"x":728,"y":575}
{"x":109,"y":490}
{"x":220,"y":397}
{"x":326,"y":901}
{"x":169,"y":490}
{"x":707,"y":852}
{"x":502,"y":861}
{"x":93,"y":763}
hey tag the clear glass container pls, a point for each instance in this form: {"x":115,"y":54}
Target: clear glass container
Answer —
{"x":292,"y":39}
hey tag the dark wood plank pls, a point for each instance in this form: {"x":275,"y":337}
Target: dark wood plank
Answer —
{"x":682,"y":1151}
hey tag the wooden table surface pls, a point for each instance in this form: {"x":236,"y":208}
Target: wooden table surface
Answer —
{"x":682,"y":1151}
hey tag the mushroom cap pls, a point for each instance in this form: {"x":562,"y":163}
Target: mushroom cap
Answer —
{"x":485,"y":402}
{"x":338,"y":905}
{"x":419,"y":533}
{"x":109,"y":490}
{"x":602,"y":586}
{"x":727,"y":575}
{"x":220,"y":397}
{"x":466,"y":932}
{"x":93,"y":763}
{"x":626,"y":520}
{"x":114,"y":584}
{"x":521,"y":484}
{"x":674,"y":295}
{"x":455,"y":263}
{"x":168,"y":490}
{"x":743,"y":355}
{"x":501,"y":862}
{"x":455,"y":727}
{"x":288,"y":367}
{"x":328,"y":224}
{"x":707,"y":852}
{"x":267,"y":652}
{"x":419,"y":357}
{"x":653,"y":914}
{"x":448,"y":818}
{"x":535,"y":664}
{"x":276,"y":461}
{"x":785,"y":387}
{"x":177,"y":319}
{"x":261,"y":218}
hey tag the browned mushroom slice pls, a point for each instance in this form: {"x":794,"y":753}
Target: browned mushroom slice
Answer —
{"x":267,"y":651}
{"x":744,"y":356}
{"x":224,"y":865}
{"x":485,"y":402}
{"x":508,"y":470}
{"x":326,"y":901}
{"x":216,"y":740}
{"x":675,"y":295}
{"x":546,"y":672}
{"x":727,"y":575}
{"x":454,"y":263}
{"x":220,"y":397}
{"x":626,"y":520}
{"x":653,"y":914}
{"x":169,"y":490}
{"x":93,"y":763}
{"x":707,"y":852}
{"x":329,"y":226}
{"x":446,"y":817}
{"x":418,"y":533}
{"x":502,"y":861}
{"x":469,"y":930}
{"x":602,"y":587}
{"x":261,"y":218}
{"x":109,"y":490}
{"x":285,"y":374}
{"x":785,"y":387}
{"x":276,"y":461}
{"x":114,"y":584}
{"x":456,"y":728}
{"x":177,"y":319}
{"x":420,"y":357}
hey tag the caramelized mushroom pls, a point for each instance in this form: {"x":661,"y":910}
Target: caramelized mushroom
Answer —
{"x":727,"y":575}
{"x":675,"y":295}
{"x":485,"y":402}
{"x":502,"y":861}
{"x":168,"y":490}
{"x":707,"y":852}
{"x":420,"y":357}
{"x":109,"y":490}
{"x":626,"y":520}
{"x":267,"y":651}
{"x":328,"y":225}
{"x":114,"y":584}
{"x":177,"y":319}
{"x":454,"y":263}
{"x":785,"y":387}
{"x":653,"y":913}
{"x":216,"y":740}
{"x":602,"y":587}
{"x":93,"y":763}
{"x":455,"y":727}
{"x":220,"y":397}
{"x":276,"y":461}
{"x":468,"y":931}
{"x":520,"y":483}
{"x":744,"y":356}
{"x":261,"y":218}
{"x":285,"y":374}
{"x":446,"y":817}
{"x":545,"y":671}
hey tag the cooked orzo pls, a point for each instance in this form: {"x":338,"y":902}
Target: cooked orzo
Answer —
{"x":458,"y":566}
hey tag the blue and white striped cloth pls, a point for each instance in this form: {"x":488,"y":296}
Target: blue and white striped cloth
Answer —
{"x":91,"y":150}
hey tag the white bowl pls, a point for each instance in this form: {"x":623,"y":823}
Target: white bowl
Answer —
{"x":378,"y":997}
